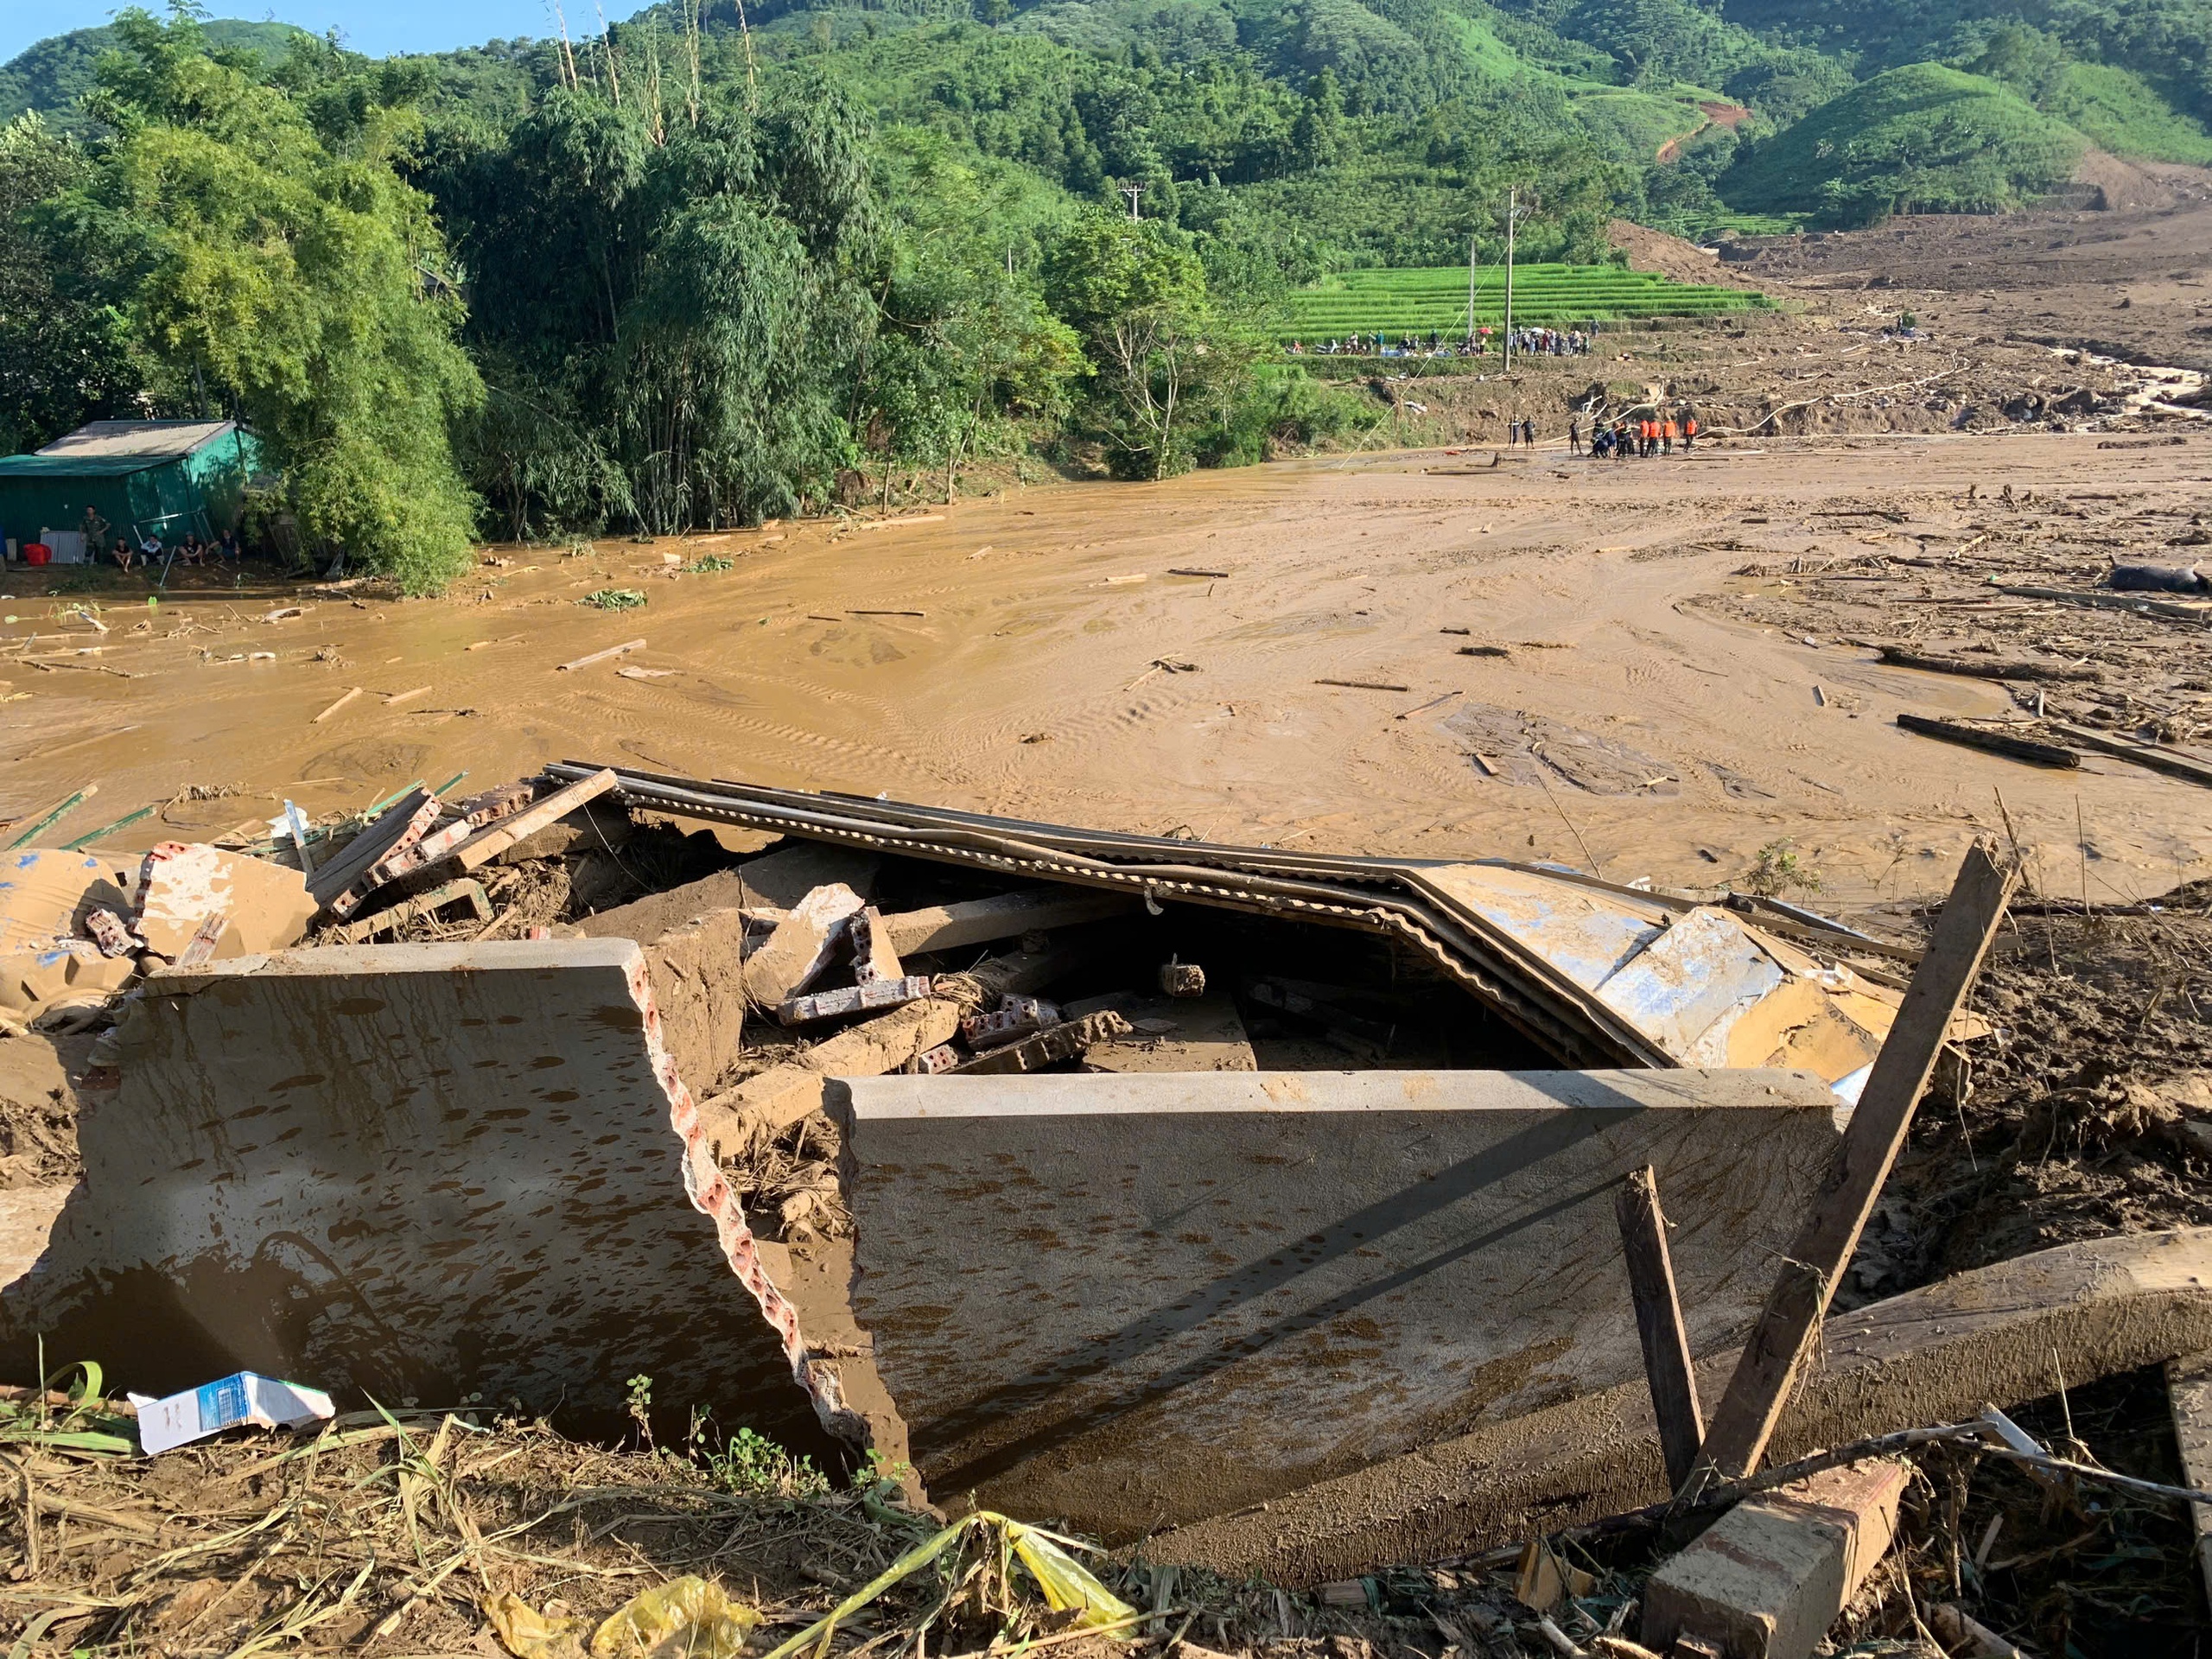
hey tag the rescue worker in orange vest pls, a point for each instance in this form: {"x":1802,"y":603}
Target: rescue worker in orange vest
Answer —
{"x":1689,"y":432}
{"x":1669,"y":431}
{"x":1650,"y":429}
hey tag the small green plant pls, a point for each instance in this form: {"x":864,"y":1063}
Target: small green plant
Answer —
{"x":613,"y":599}
{"x":753,"y":1465}
{"x":640,"y":1391}
{"x":1777,"y":870}
{"x":709,"y":562}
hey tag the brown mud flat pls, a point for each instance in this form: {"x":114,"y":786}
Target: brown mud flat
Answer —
{"x":2128,"y":282}
{"x":1010,"y":664}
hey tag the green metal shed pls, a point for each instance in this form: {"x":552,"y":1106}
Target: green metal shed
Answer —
{"x":163,"y":477}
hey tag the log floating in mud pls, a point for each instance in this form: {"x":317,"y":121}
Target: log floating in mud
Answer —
{"x":1976,"y":737}
{"x":1991,"y":669}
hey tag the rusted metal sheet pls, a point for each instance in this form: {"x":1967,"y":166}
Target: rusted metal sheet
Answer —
{"x":1135,"y":1300}
{"x":416,"y":1171}
{"x":1596,"y":974}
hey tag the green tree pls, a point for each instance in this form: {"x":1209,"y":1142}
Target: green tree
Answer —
{"x":67,"y":351}
{"x":304,"y":285}
{"x":1316,"y":128}
{"x":1164,"y":361}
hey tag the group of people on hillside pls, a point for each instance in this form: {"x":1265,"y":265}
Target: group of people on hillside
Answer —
{"x":1527,"y":342}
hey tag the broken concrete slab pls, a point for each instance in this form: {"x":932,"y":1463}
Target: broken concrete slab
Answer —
{"x":45,"y":892}
{"x":779,"y":1097}
{"x":697,"y":972}
{"x":1767,"y":1579}
{"x":1009,"y":916}
{"x":1939,"y":1354}
{"x":1265,"y":1278}
{"x":264,"y":905}
{"x":786,"y":875}
{"x":777,"y":881}
{"x":1170,"y":1034}
{"x":800,"y":947}
{"x":413,"y":1172}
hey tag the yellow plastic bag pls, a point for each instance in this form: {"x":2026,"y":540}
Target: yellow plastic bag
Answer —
{"x":529,"y":1634}
{"x":1064,"y":1580}
{"x":685,"y":1618}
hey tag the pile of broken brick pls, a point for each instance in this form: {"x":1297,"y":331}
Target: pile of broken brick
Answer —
{"x":77,"y":928}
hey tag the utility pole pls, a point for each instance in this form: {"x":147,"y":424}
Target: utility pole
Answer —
{"x":1133,"y":191}
{"x":1473,"y":244}
{"x":1512,"y":213}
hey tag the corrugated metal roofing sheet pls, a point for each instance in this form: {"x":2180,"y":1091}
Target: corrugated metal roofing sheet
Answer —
{"x":1595,"y":973}
{"x":147,"y":442}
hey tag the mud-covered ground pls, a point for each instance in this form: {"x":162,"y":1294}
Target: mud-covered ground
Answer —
{"x":1664,"y":668}
{"x":2087,"y":1111}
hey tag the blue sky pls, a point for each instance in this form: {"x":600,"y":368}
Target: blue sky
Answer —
{"x":377,"y":27}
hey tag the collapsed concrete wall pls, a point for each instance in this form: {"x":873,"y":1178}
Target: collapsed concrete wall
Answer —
{"x":415,"y":1171}
{"x":1136,"y":1300}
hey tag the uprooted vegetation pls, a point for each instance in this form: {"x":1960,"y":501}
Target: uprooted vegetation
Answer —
{"x":425,"y":1532}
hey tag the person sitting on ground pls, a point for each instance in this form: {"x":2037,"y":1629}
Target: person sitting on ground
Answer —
{"x":121,"y":553}
{"x":228,"y":549}
{"x":149,"y":547}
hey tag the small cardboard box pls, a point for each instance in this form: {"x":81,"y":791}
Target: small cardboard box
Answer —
{"x":241,"y":1397}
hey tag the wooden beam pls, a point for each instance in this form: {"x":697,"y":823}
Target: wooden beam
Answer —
{"x":1789,"y":1326}
{"x":1978,"y":737}
{"x":2188,"y":1391}
{"x":1659,"y":1324}
{"x":2154,"y":756}
{"x":489,"y":843}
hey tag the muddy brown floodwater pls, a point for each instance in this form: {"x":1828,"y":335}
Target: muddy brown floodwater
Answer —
{"x":1050,"y":653}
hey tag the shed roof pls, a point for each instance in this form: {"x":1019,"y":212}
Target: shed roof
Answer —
{"x":147,"y":442}
{"x":46,"y":466}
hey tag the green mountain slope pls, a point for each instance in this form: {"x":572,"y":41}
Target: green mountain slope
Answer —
{"x":1361,"y":131}
{"x":51,"y":75}
{"x":1917,"y":139}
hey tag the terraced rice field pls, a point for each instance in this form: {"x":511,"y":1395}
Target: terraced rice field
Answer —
{"x":1557,"y":296}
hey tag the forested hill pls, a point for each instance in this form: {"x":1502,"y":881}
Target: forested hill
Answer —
{"x":711,"y":266}
{"x":1344,"y":128}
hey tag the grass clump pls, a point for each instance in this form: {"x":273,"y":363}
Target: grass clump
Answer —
{"x":1777,"y":869}
{"x":613,"y":599}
